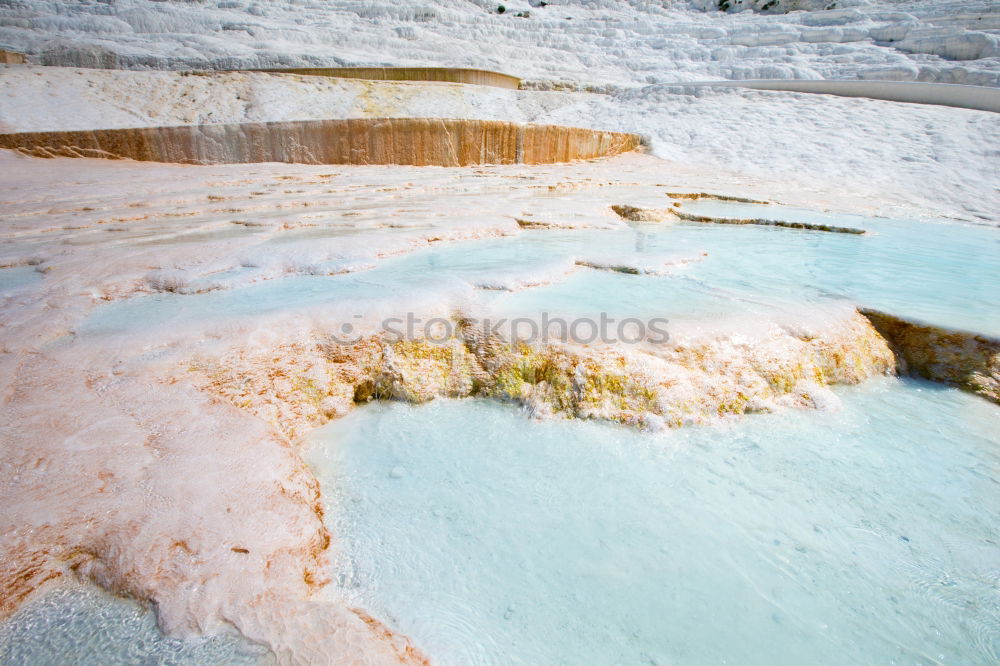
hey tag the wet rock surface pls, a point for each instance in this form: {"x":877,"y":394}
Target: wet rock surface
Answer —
{"x":959,"y":358}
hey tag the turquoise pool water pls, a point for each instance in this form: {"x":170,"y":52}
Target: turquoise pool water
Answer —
{"x":867,"y":535}
{"x":948,"y":275}
{"x":944,"y":274}
{"x":18,"y":276}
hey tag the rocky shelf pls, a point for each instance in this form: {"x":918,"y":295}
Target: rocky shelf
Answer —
{"x":413,"y":141}
{"x":479,"y":77}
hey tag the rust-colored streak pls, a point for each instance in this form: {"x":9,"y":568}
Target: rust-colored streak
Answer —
{"x":21,"y":574}
{"x":404,"y":650}
{"x":410,"y":141}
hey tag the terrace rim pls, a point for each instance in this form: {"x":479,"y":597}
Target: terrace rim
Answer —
{"x":360,"y":141}
{"x":479,"y":77}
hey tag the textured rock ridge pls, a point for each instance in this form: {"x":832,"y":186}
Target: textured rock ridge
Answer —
{"x":12,"y":58}
{"x":411,"y":141}
{"x":633,"y":214}
{"x":480,"y":77}
{"x":695,"y":196}
{"x":303,"y":384}
{"x":966,"y":360}
{"x":184,"y":503}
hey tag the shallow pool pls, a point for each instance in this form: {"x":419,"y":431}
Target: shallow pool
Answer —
{"x":18,"y":276}
{"x":945,"y":274}
{"x":866,"y":535}
{"x":85,"y":625}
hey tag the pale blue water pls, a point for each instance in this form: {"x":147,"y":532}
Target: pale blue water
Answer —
{"x":262,"y":298}
{"x":734,"y":209}
{"x":18,"y":276}
{"x":946,"y":274}
{"x":868,"y":535}
{"x":864,"y":536}
{"x":85,"y":626}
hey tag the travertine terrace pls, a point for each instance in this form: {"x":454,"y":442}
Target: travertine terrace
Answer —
{"x":415,"y":141}
{"x":967,"y":360}
{"x":12,"y":58}
{"x":121,"y":231}
{"x":270,"y":378}
{"x":442,"y":74}
{"x":213,"y":216}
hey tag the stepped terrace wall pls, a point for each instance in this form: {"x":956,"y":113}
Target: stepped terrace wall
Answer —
{"x":413,"y":141}
{"x":959,"y":358}
{"x":446,"y":74}
{"x":12,"y":58}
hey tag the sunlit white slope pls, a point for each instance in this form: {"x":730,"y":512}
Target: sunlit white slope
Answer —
{"x":599,"y":41}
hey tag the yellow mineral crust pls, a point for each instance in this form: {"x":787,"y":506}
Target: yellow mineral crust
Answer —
{"x":966,"y":360}
{"x":298,"y":386}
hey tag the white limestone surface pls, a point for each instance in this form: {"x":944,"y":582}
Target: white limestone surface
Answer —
{"x":118,"y":468}
{"x":892,"y":156}
{"x":597,"y":42}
